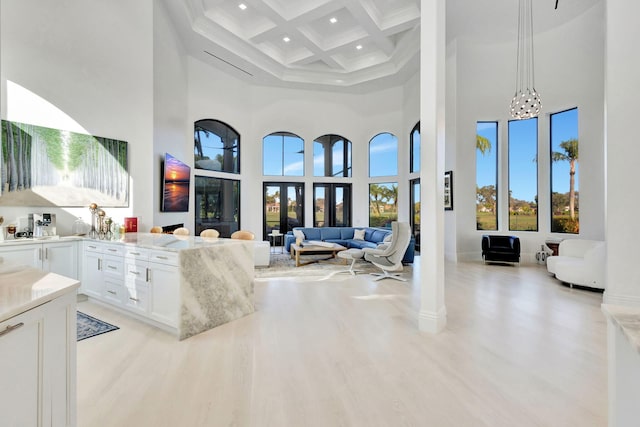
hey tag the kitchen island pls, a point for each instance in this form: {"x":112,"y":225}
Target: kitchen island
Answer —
{"x":182,"y":284}
{"x":38,"y":347}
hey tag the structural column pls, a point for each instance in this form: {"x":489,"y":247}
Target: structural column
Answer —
{"x":433,"y":313}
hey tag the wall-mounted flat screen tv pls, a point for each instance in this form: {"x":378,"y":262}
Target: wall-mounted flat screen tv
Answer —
{"x":175,"y":185}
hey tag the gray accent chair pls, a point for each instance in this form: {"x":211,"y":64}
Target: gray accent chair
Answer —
{"x":388,"y":257}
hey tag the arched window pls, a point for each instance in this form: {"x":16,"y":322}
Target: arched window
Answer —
{"x":282,"y":154}
{"x":216,"y":146}
{"x":332,"y":156}
{"x":383,"y":155}
{"x":415,"y":149}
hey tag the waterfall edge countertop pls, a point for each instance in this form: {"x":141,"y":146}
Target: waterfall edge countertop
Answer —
{"x":23,"y":288}
{"x":627,"y":319}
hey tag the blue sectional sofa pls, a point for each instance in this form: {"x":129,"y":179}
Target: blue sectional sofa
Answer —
{"x":344,"y":236}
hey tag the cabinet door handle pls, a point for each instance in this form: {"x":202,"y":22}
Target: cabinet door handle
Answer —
{"x":10,"y":328}
{"x":112,"y":292}
{"x":39,"y":254}
{"x":161,"y":257}
{"x":137,"y":273}
{"x":134,"y":299}
{"x":112,"y":250}
{"x":46,"y":253}
{"x":92,"y":247}
{"x":99,"y":264}
{"x":135,"y":253}
{"x":111,"y":267}
{"x":148,"y":278}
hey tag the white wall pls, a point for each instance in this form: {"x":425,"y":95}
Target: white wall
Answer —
{"x":256,"y":111}
{"x":569,"y":73}
{"x":92,"y":60}
{"x":171,"y":133}
{"x":623,"y":150}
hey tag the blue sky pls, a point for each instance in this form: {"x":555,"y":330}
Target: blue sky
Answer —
{"x":522,"y":168}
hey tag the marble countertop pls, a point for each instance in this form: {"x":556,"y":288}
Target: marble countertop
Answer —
{"x":23,"y":288}
{"x":167,"y":242}
{"x":31,"y":240}
{"x":628,"y":319}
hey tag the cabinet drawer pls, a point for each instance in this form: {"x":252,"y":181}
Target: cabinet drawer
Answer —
{"x":165,"y":257}
{"x":136,"y":273}
{"x":113,"y":266}
{"x":113,"y":250}
{"x":136,"y":299}
{"x":93,"y":247}
{"x":114,"y":291}
{"x":136,"y":253}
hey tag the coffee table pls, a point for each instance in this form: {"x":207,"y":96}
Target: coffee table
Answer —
{"x":309,"y":249}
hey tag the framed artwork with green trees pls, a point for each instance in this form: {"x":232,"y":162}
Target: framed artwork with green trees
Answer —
{"x":42,"y":167}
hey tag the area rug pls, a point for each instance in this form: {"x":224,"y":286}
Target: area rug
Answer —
{"x":90,"y":326}
{"x":281,"y":265}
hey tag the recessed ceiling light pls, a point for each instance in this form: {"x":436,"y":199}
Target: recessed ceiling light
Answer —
{"x":333,"y":20}
{"x":242,"y":6}
{"x":359,"y":47}
{"x":286,"y":39}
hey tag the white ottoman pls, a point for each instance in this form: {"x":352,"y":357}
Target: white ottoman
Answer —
{"x":262,"y":253}
{"x":353,"y":255}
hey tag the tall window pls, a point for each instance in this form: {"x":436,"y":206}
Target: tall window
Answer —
{"x":216,"y":146}
{"x":332,"y":156}
{"x":283,"y":155}
{"x":383,"y":155}
{"x":283,"y":206}
{"x":217,"y":205}
{"x":383,"y":204}
{"x":415,"y":149}
{"x":331,"y":205}
{"x":564,"y":172}
{"x":414,"y":218}
{"x":487,"y":175}
{"x":523,"y":175}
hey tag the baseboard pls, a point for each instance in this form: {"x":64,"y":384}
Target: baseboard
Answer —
{"x":432,"y":322}
{"x":627,"y":300}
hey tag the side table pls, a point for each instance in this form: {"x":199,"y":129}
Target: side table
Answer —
{"x":553,"y":244}
{"x":274,"y":241}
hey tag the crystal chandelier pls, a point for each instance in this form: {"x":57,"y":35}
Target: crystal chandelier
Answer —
{"x":526,"y":102}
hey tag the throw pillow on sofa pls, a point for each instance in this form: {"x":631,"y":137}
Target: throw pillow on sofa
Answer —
{"x":298,"y":234}
{"x":358,"y":234}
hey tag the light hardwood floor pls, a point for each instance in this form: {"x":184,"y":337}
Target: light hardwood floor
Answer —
{"x":519,"y":350}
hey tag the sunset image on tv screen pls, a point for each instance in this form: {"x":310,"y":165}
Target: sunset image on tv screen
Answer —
{"x":175,"y":197}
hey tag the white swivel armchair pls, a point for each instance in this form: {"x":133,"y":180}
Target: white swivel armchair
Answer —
{"x":388,"y":257}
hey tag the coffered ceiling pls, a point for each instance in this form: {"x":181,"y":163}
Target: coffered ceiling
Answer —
{"x":339,"y":44}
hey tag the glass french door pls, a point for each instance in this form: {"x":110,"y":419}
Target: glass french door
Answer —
{"x":283,"y":206}
{"x":414,"y":217}
{"x":331,"y":205}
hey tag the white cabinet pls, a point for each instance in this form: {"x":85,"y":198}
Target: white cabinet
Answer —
{"x":26,"y":254}
{"x":92,"y":282}
{"x":102,"y":271}
{"x":138,"y":280}
{"x":165,"y":294}
{"x":55,"y":257}
{"x":19,"y":370}
{"x":38,"y":365}
{"x":60,"y":258}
